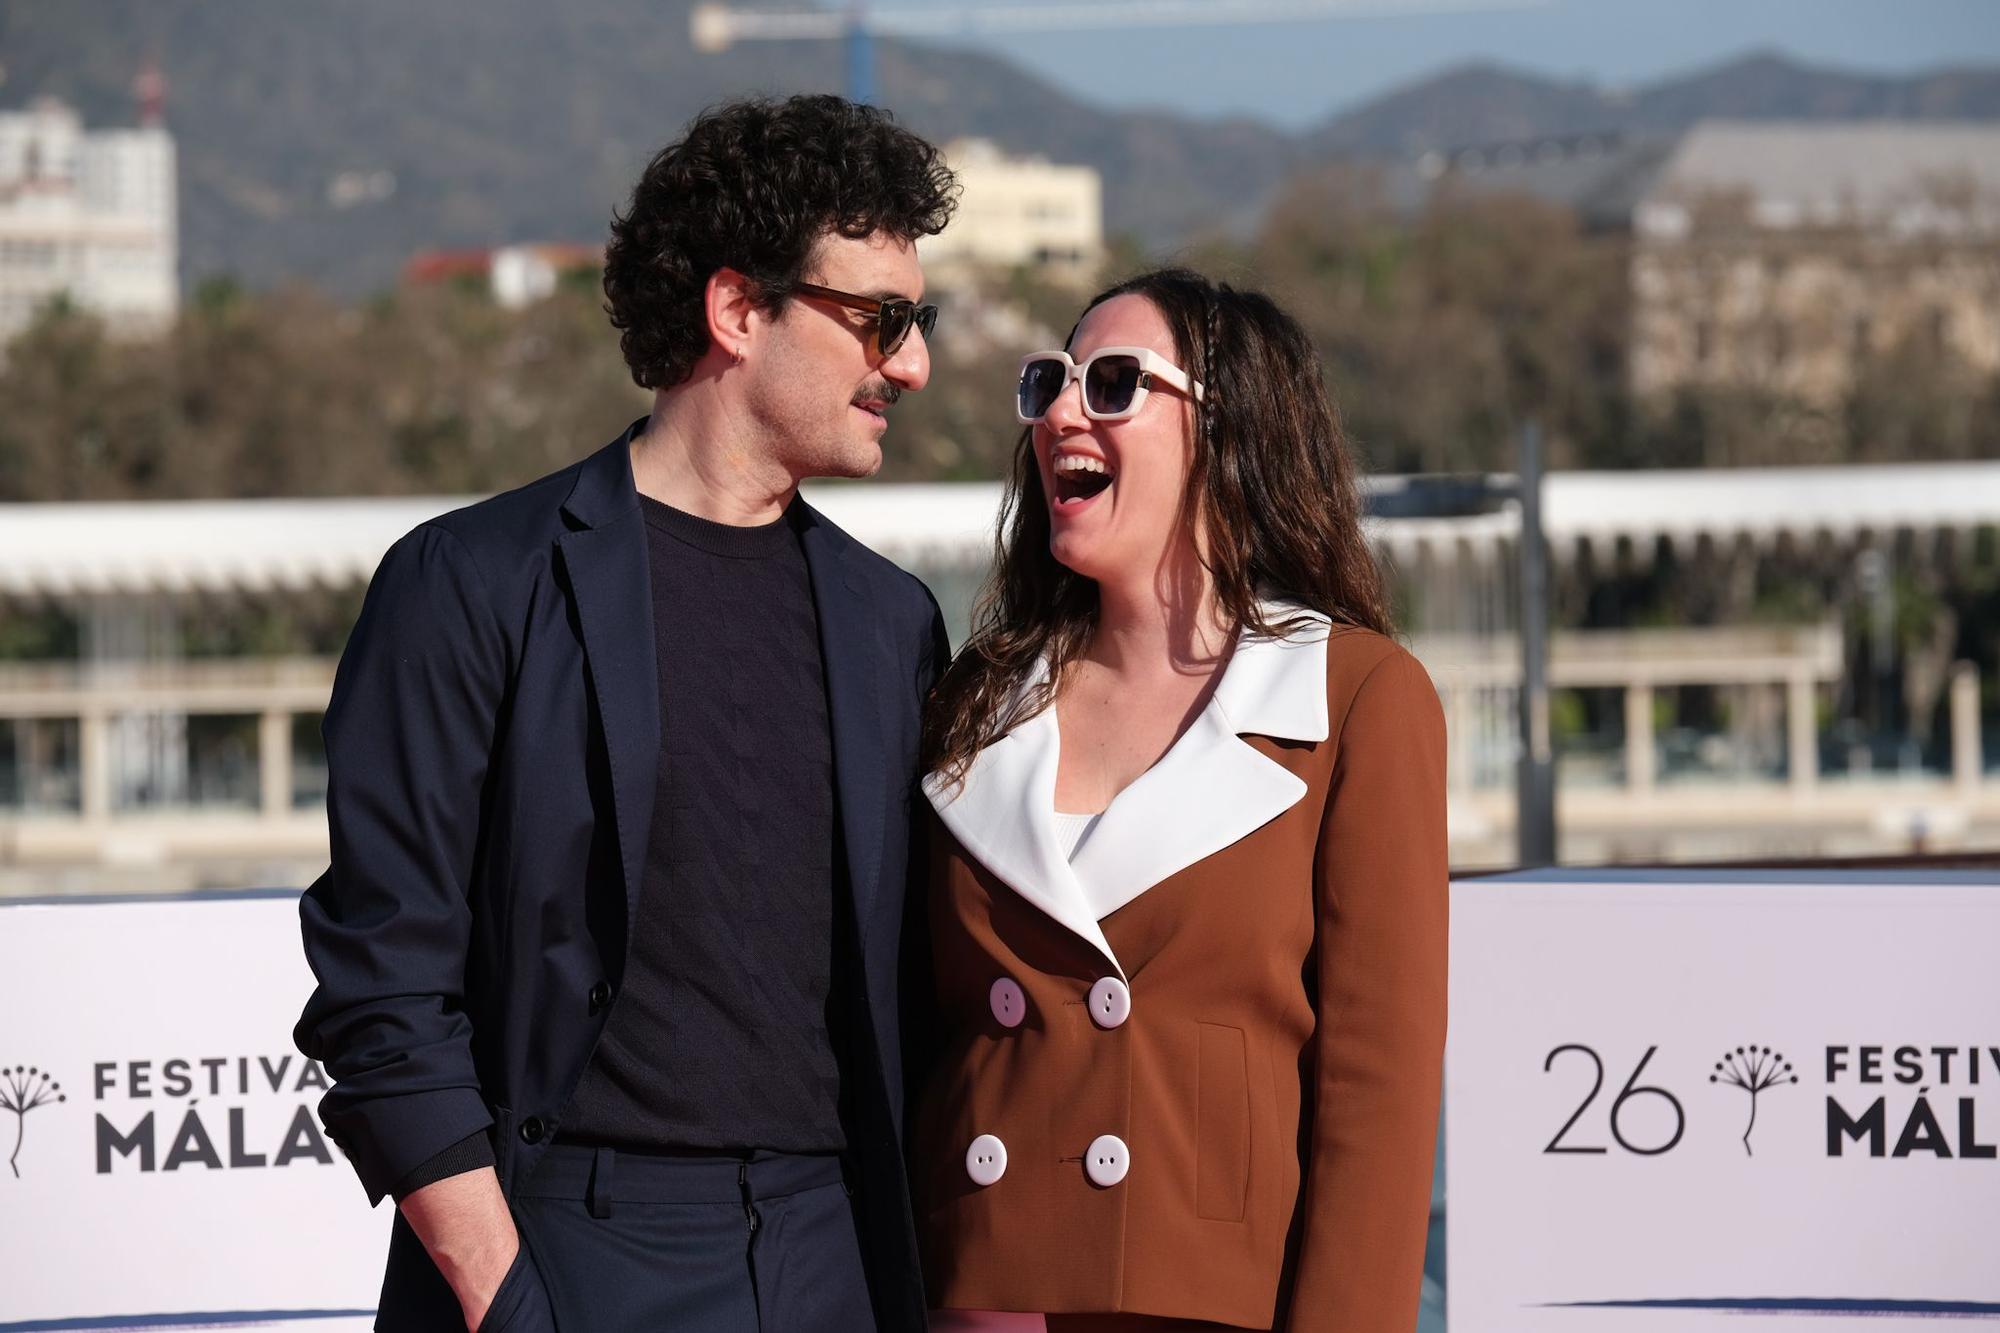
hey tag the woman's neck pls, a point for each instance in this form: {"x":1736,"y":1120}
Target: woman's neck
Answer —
{"x":1172,"y":621}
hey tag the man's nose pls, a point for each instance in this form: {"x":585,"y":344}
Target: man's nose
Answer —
{"x":910,"y":368}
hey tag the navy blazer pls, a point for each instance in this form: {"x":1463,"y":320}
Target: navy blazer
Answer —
{"x":493,"y":741}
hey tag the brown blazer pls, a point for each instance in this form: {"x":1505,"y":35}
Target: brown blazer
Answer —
{"x":1198,"y":1067}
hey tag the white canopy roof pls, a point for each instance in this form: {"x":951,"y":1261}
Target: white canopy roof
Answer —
{"x":168,"y":547}
{"x":1724,"y":506}
{"x":175,"y":546}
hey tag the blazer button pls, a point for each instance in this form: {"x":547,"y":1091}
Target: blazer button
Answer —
{"x":1110,"y":1002}
{"x":1107,"y":1160}
{"x":1008,"y":1003}
{"x":531,"y":1129}
{"x":986,"y":1160}
{"x":600,"y":995}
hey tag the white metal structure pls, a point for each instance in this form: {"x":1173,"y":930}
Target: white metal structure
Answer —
{"x":99,"y":801}
{"x":169,"y":547}
{"x":716,"y":27}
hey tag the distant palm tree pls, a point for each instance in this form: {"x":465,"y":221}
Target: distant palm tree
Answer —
{"x":1753,"y":1069}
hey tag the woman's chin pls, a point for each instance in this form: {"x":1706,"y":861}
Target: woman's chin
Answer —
{"x":1080,"y":555}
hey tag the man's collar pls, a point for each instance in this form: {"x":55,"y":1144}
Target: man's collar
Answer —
{"x":604,"y":489}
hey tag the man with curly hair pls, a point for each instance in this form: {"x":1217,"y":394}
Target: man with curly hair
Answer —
{"x":613,"y":946}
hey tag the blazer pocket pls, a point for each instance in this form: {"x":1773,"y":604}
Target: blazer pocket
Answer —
{"x":1222,"y":1123}
{"x":521,"y":1305}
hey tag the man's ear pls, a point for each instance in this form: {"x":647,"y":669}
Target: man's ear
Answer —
{"x":732,"y":312}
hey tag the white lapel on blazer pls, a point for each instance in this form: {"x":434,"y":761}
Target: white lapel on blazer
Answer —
{"x":1212,"y":788}
{"x":1004,"y":815}
{"x":1209,"y":790}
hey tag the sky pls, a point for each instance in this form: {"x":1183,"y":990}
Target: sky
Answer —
{"x":1297,"y":74}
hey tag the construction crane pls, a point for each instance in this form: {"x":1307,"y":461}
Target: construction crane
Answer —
{"x":717,"y":27}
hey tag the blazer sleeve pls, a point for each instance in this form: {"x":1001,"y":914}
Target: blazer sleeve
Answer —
{"x":1379,"y":1043}
{"x":408,"y":733}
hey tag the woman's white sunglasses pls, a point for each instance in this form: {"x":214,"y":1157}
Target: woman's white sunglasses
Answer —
{"x":1115,"y":382}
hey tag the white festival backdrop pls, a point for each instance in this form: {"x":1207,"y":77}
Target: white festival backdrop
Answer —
{"x":166,"y":1166}
{"x":1669,"y":1106}
{"x":1712,"y":1104}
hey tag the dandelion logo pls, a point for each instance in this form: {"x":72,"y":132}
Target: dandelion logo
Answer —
{"x":1753,"y":1069}
{"x":21,"y":1091}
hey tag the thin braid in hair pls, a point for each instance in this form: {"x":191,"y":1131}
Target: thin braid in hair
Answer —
{"x":1213,"y":331}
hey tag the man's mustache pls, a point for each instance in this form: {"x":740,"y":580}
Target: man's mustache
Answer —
{"x":884,"y":393}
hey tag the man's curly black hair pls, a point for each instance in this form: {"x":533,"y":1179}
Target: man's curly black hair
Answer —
{"x":753,"y":186}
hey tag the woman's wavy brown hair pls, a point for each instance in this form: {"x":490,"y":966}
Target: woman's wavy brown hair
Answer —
{"x":1270,"y":478}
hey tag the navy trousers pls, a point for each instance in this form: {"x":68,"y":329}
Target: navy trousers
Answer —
{"x":623,"y":1243}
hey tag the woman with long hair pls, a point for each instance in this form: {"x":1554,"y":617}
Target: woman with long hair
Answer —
{"x":1187,"y":899}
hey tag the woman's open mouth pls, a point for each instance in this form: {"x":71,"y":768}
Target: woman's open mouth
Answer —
{"x":1080,"y":479}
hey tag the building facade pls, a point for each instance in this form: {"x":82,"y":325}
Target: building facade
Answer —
{"x":515,"y":276}
{"x":87,"y":215}
{"x":1784,"y":256}
{"x":1019,"y":211}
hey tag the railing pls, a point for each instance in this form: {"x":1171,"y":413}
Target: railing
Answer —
{"x":75,"y":734}
{"x":1640,"y":807}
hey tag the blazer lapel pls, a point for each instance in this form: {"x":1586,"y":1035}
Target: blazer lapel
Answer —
{"x":1212,"y":788}
{"x":1208,"y":791}
{"x":859,"y":664}
{"x":1205,"y":793}
{"x":611,"y":585}
{"x":1004,"y":815}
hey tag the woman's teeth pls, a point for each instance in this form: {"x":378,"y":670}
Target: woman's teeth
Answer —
{"x":1079,"y":477}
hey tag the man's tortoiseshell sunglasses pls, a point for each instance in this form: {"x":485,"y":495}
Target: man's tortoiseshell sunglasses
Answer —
{"x":894,"y":318}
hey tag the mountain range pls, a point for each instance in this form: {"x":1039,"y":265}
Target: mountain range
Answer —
{"x":327,"y":143}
